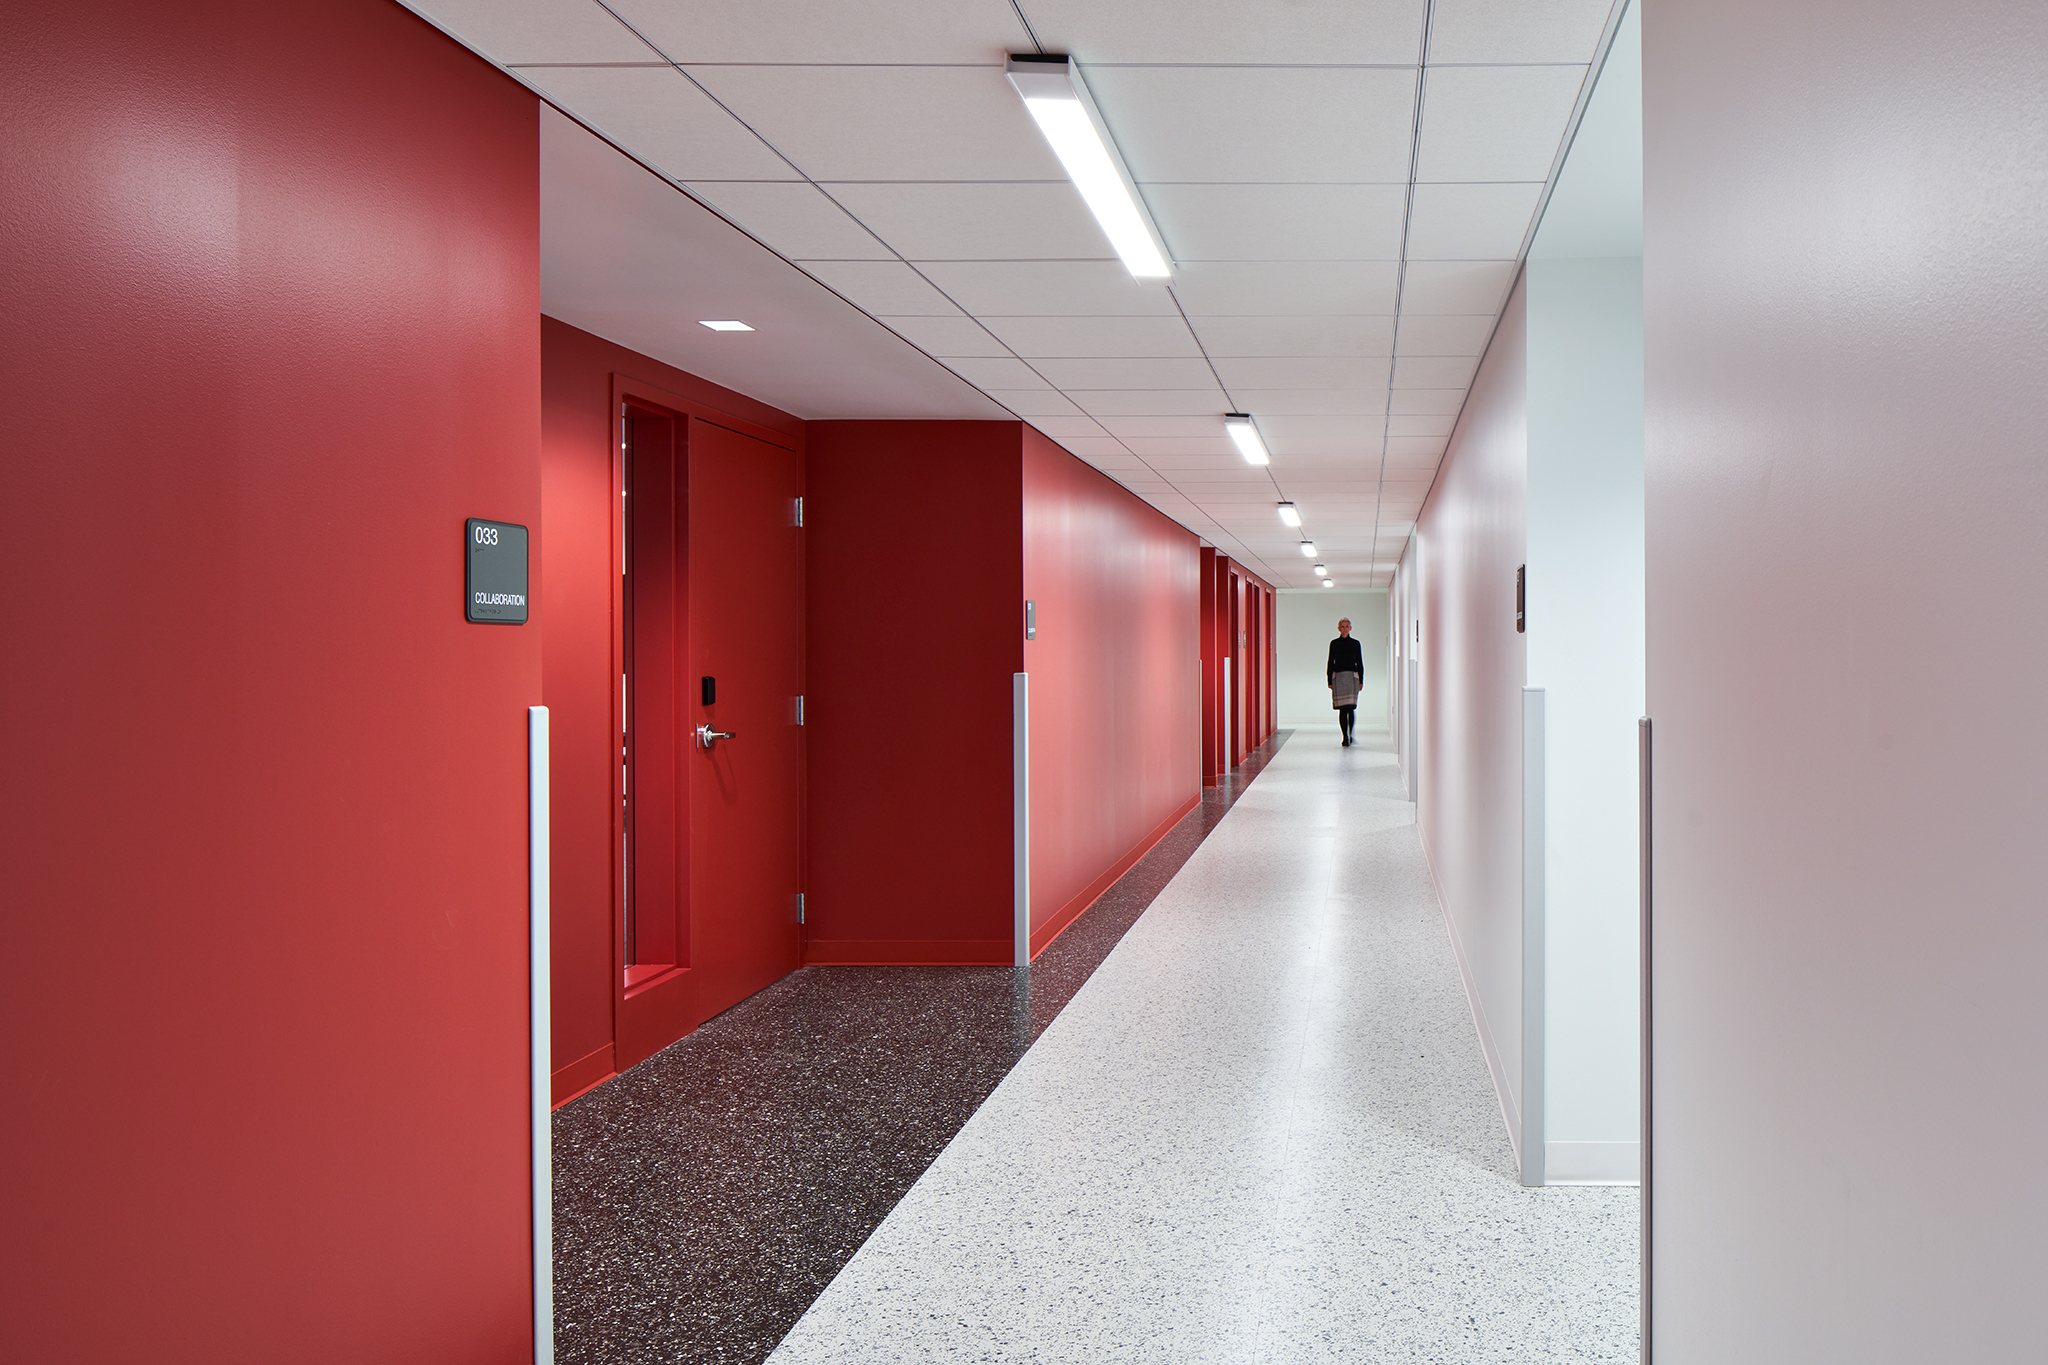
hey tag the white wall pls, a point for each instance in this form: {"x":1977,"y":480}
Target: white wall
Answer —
{"x":1585,"y":636}
{"x":1468,"y":543}
{"x":1845,"y":289}
{"x":1307,"y":622}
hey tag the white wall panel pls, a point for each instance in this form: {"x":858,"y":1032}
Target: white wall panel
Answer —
{"x":1844,"y":294}
{"x":1474,"y":665}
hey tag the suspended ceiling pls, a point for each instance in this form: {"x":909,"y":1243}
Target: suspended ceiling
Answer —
{"x":1345,"y":189}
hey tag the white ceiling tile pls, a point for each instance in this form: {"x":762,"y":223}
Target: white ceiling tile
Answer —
{"x":969,"y":222}
{"x":664,"y":120}
{"x":1296,"y":336}
{"x":629,"y":257}
{"x":874,"y":31}
{"x":881,"y":287}
{"x":1434,"y":372}
{"x":538,"y":30}
{"x":1279,"y":222}
{"x":1035,"y":337}
{"x":1166,"y":428}
{"x":1229,"y":125}
{"x":1323,"y":435}
{"x":1311,"y":31}
{"x":1436,"y":335}
{"x":1178,"y":447}
{"x":1087,"y":446}
{"x":1432,"y":425}
{"x":1035,"y":402}
{"x":1412,"y":402}
{"x":1495,"y":122}
{"x":1469,"y":222}
{"x":958,"y":335}
{"x":1419,"y":449}
{"x":1062,"y":428}
{"x":1456,"y":286}
{"x":795,"y":219}
{"x":1049,"y":288}
{"x":1111,"y":373}
{"x":1294,"y":288}
{"x":1305,"y":372}
{"x":1151,"y":402}
{"x":1516,"y":30}
{"x":997,"y":374}
{"x":889,"y":122}
{"x":1313,"y":402}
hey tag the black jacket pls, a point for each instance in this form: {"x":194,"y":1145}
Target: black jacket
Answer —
{"x":1346,"y":657}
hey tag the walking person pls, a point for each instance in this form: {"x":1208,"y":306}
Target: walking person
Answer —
{"x":1346,"y":671}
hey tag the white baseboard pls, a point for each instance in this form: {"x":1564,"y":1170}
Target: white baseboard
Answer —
{"x":1592,"y":1163}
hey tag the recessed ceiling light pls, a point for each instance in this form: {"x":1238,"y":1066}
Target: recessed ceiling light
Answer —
{"x":1322,"y":572}
{"x":1060,"y":103}
{"x":1246,"y":437}
{"x":1308,"y":549}
{"x":1289,"y":515}
{"x":726,"y":325}
{"x":1329,"y":582}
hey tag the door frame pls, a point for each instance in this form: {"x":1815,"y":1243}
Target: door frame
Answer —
{"x":659,"y":1009}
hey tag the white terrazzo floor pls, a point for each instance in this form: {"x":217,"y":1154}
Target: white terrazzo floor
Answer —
{"x":1262,"y":1131}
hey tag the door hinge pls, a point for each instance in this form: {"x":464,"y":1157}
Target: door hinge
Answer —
{"x":799,"y":710}
{"x":799,"y":907}
{"x":799,"y":511}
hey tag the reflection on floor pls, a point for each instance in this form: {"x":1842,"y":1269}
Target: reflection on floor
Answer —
{"x":1261,"y":1131}
{"x":703,"y":1199}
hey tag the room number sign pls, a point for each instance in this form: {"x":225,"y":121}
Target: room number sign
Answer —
{"x":494,"y":581}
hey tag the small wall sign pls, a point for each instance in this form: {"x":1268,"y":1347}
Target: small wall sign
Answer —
{"x":494,"y":577}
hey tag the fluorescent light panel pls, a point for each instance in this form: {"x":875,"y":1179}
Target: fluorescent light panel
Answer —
{"x":1308,"y":549}
{"x":1290,"y":515}
{"x":725,"y":325}
{"x":1058,"y":100}
{"x":1246,"y":437}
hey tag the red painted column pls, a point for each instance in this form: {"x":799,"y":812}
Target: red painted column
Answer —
{"x":272,"y":281}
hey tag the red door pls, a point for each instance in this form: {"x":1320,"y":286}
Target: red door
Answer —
{"x":746,"y":605}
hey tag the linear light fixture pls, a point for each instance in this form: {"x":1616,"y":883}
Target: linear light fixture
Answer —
{"x":1290,"y":515}
{"x":1322,"y":571}
{"x":1052,"y":90}
{"x":1246,"y":436}
{"x":1329,"y":582}
{"x":1308,"y":549}
{"x":725,"y":325}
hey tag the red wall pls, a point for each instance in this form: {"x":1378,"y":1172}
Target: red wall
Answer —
{"x":915,"y":589}
{"x":271,"y":277}
{"x":1116,"y":728}
{"x":579,"y":433}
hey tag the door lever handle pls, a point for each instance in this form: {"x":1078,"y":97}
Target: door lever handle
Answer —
{"x":707,"y":737}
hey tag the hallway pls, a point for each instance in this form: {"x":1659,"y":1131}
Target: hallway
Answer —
{"x":1288,"y":1149}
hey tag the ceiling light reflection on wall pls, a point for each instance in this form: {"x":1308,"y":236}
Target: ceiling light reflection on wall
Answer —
{"x":1289,"y":515}
{"x":1246,"y":437}
{"x":725,"y":325}
{"x":1308,"y":549}
{"x":1060,"y":103}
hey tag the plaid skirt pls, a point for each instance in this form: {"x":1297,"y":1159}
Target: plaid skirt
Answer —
{"x":1343,"y":690}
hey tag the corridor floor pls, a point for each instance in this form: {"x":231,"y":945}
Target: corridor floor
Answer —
{"x":1261,"y":1131}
